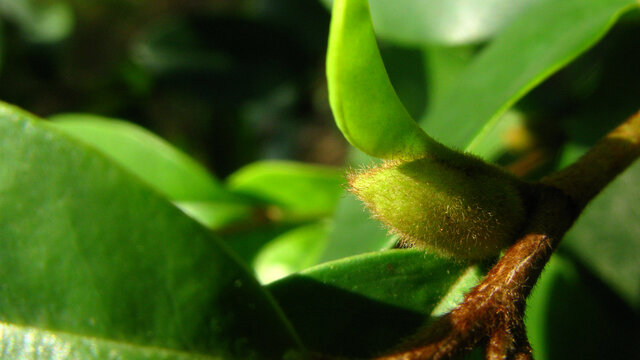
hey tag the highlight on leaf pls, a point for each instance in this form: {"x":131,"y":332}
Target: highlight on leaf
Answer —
{"x":365,"y":106}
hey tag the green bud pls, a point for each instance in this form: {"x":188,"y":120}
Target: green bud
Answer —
{"x":462,"y":208}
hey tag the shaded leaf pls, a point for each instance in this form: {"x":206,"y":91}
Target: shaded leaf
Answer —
{"x":570,"y":315}
{"x":382,"y":297}
{"x":606,"y":237}
{"x":90,"y":251}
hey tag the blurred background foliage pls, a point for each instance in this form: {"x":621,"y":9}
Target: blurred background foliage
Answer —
{"x":234,"y":82}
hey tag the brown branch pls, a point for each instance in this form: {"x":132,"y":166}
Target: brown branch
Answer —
{"x":584,"y":179}
{"x":493,"y":310}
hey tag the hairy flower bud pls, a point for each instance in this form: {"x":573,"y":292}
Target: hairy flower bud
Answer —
{"x":469,"y":210}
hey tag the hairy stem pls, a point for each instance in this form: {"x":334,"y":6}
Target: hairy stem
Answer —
{"x":493,"y":310}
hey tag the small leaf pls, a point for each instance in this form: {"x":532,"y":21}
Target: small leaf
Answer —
{"x":86,"y":249}
{"x":544,"y":38}
{"x":290,"y":252}
{"x":299,"y":190}
{"x":146,"y":155}
{"x":217,"y":215}
{"x":382,"y":297}
{"x":364,"y":103}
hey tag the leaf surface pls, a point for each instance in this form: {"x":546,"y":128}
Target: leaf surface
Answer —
{"x":450,"y":22}
{"x":606,"y":237}
{"x":299,"y":190}
{"x":570,"y":315}
{"x":365,"y":105}
{"x":544,"y":38}
{"x":87,"y":249}
{"x":382,"y":297}
{"x":151,"y":158}
{"x":25,"y":343}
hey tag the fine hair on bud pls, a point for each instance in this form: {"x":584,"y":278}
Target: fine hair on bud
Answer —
{"x":464,"y":209}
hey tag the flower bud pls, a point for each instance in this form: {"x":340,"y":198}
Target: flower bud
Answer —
{"x":468,"y":210}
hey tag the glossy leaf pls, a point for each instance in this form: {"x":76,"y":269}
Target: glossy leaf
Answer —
{"x":88,"y":250}
{"x":217,"y":215}
{"x":543,"y":39}
{"x":450,"y":22}
{"x":364,"y":103}
{"x":25,"y":343}
{"x":382,"y":297}
{"x":151,"y":158}
{"x":290,"y":252}
{"x":299,"y":190}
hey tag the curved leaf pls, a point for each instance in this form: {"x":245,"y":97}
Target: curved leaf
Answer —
{"x":537,"y":43}
{"x":151,"y":158}
{"x":450,"y":22}
{"x":300,"y":190}
{"x":382,"y":297}
{"x":364,"y":103}
{"x":86,"y":249}
{"x":290,"y":252}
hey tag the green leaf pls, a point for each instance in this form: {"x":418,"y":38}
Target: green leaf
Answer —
{"x":606,"y":237}
{"x":25,"y":343}
{"x":290,"y":252}
{"x":541,"y":40}
{"x":152,"y":159}
{"x":570,"y":315}
{"x":382,"y":297}
{"x":41,"y":21}
{"x":450,"y":22}
{"x":217,"y":215}
{"x":364,"y":103}
{"x":299,"y":190}
{"x":354,"y":231}
{"x":88,"y":250}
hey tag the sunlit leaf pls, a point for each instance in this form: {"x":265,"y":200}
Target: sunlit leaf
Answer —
{"x":88,"y":250}
{"x":364,"y":103}
{"x":290,"y":252}
{"x":297,"y":189}
{"x":26,"y":343}
{"x":151,"y":158}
